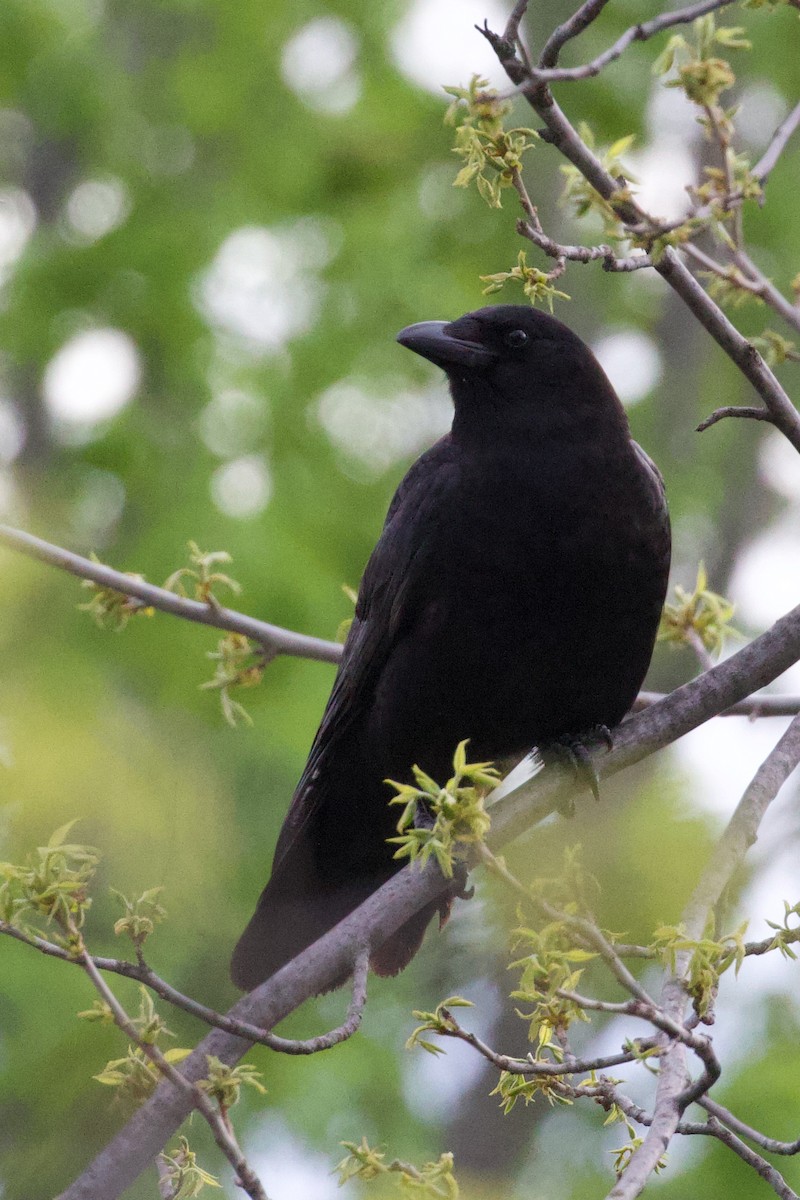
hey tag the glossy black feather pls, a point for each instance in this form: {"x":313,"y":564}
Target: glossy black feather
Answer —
{"x":512,"y":598}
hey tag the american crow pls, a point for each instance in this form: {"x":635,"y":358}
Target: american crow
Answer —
{"x":513,"y":599}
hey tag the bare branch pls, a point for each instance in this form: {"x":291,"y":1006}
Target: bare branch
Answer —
{"x":220,"y":1128}
{"x":672,"y":1096}
{"x":733,"y":410}
{"x":760,"y":705}
{"x":756,"y":665}
{"x":725,"y":1117}
{"x":777,"y":146}
{"x":273,"y":638}
{"x":760,"y":1165}
{"x":144,"y":974}
{"x":563,"y":135}
{"x":582,"y":19}
{"x":546,"y":73}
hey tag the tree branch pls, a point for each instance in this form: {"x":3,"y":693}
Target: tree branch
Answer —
{"x":142,"y":973}
{"x":743,"y":412}
{"x":220,"y":1128}
{"x":563,"y":135}
{"x":775,"y":149}
{"x":547,"y":72}
{"x":725,"y":1117}
{"x":767,"y":705}
{"x":672,"y":1096}
{"x":131,"y":1151}
{"x":273,"y":638}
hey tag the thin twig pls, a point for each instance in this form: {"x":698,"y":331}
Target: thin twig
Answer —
{"x":545,"y":74}
{"x":534,"y":1067}
{"x":571,"y":28}
{"x":144,"y":974}
{"x":747,"y":276}
{"x":672,"y":1095}
{"x":273,"y":638}
{"x":704,"y":656}
{"x":584,"y":254}
{"x":563,"y":135}
{"x":726,"y":1117}
{"x":766,"y":164}
{"x":742,"y":411}
{"x":220,"y":1129}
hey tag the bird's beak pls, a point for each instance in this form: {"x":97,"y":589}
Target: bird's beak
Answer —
{"x":431,"y":340}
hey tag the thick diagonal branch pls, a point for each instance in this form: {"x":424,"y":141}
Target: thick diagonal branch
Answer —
{"x":120,"y":1163}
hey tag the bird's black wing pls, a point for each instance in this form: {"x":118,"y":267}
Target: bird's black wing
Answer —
{"x":388,"y":600}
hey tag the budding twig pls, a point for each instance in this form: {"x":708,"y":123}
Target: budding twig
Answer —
{"x":273,"y":638}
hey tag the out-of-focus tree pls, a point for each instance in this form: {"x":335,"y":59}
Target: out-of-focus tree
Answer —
{"x":212,"y":222}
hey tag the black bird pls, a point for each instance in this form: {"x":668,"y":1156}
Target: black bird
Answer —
{"x":513,"y":598}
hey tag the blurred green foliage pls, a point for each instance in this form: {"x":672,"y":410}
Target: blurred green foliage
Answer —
{"x":182,"y":110}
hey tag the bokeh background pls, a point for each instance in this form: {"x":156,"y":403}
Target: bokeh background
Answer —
{"x":213,"y":220}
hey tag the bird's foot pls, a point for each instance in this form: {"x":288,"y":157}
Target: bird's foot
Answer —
{"x":573,"y":750}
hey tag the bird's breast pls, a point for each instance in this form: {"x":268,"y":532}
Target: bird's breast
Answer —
{"x":536,"y":613}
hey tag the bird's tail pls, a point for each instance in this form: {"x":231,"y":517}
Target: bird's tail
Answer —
{"x":285,"y":923}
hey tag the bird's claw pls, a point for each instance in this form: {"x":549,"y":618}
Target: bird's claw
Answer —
{"x":603,"y":734}
{"x":573,"y":750}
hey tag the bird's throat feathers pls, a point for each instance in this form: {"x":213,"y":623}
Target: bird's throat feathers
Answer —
{"x":580,"y":404}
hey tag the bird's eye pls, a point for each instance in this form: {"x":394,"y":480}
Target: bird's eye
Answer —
{"x":516,"y":338}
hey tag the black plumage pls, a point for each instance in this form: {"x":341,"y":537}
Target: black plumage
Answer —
{"x":513,"y":598}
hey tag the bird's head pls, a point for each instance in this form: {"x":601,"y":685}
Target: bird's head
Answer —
{"x":517,"y":363}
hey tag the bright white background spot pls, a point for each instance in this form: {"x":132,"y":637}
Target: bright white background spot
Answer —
{"x":766,"y":580}
{"x":17,"y":223}
{"x":668,"y":163}
{"x":432,"y":1087}
{"x":92,"y":377}
{"x":291,"y":1168}
{"x":97,"y":507}
{"x":12,"y":433}
{"x":263,"y":284}
{"x":318,"y":65}
{"x":778,"y":466}
{"x":723,"y":755}
{"x":243,"y":487}
{"x":232,"y":422}
{"x":631,"y":361}
{"x":96,"y":207}
{"x":374,"y":431}
{"x":671,"y":112}
{"x":436,"y":43}
{"x":9,"y":499}
{"x":761,"y":110}
{"x":663,"y":171}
